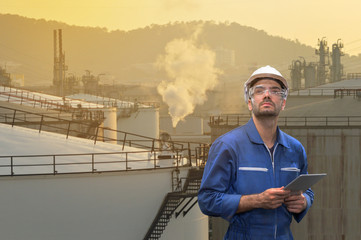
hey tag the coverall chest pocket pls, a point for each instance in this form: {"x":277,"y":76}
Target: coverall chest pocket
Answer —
{"x":288,"y":173}
{"x":252,"y":179}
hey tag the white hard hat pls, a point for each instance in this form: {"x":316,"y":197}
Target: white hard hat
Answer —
{"x":264,"y":72}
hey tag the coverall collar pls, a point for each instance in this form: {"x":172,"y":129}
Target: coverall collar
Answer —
{"x":254,"y":136}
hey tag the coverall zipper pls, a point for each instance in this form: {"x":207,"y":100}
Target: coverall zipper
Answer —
{"x":274,"y":179}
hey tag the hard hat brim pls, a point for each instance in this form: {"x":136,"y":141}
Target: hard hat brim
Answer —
{"x":253,"y":79}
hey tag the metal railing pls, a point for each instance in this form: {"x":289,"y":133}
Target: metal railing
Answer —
{"x":35,"y":99}
{"x":69,"y":128}
{"x":176,"y":200}
{"x":313,"y":92}
{"x":53,"y":164}
{"x":193,"y":152}
{"x":40,"y":100}
{"x":327,"y":121}
{"x":341,"y":92}
{"x":125,"y":104}
{"x":338,"y":92}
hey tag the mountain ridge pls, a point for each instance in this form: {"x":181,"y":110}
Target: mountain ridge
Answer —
{"x":129,"y":56}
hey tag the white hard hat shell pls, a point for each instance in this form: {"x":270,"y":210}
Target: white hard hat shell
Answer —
{"x":264,"y":72}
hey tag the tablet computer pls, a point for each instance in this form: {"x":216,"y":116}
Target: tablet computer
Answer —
{"x":304,"y":182}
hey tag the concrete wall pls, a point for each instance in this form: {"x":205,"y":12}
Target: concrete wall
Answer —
{"x":90,"y":206}
{"x":336,"y":213}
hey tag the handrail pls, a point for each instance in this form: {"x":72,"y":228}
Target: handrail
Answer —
{"x":130,"y":139}
{"x":194,"y":152}
{"x":36,"y":99}
{"x":22,"y":96}
{"x":172,"y":201}
{"x":329,"y":121}
{"x":54,"y":164}
{"x":313,"y":92}
{"x":341,"y":92}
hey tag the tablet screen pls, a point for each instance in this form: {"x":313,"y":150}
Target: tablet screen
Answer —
{"x":304,"y":181}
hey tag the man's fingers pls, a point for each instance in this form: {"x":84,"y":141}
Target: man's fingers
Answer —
{"x":279,"y":192}
{"x":293,"y":197}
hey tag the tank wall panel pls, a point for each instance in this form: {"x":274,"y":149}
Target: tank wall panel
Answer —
{"x":88,"y":206}
{"x":143,"y":122}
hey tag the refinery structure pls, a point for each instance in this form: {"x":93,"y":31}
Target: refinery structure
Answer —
{"x":71,"y":161}
{"x":79,"y":162}
{"x":81,"y":166}
{"x":312,"y":74}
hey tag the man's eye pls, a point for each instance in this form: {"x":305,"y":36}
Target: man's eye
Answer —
{"x":259,"y":91}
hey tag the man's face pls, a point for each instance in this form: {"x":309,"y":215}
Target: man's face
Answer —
{"x":266,"y":99}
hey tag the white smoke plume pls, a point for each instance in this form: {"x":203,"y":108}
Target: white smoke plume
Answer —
{"x":192,"y":72}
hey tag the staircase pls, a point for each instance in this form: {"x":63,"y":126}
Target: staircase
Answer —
{"x":173,"y":201}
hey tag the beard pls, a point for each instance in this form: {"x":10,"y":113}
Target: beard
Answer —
{"x":261,"y":112}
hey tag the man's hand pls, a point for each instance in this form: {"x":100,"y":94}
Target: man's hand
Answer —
{"x":296,"y":203}
{"x":270,"y":199}
{"x":273,"y":198}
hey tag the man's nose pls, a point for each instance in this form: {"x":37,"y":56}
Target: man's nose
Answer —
{"x":266,"y":93}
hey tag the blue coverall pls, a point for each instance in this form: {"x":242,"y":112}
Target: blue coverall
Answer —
{"x":239,"y":163}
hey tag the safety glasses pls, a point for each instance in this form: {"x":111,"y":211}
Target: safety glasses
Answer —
{"x":259,"y":91}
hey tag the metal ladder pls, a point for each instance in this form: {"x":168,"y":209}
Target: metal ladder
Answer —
{"x":173,"y":201}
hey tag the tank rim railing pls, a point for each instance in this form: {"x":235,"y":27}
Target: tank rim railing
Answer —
{"x":73,"y":115}
{"x":285,"y":121}
{"x":34,"y":99}
{"x":316,"y":91}
{"x":327,"y":92}
{"x":193,"y":150}
{"x":53,"y":164}
{"x":118,"y":103}
{"x":343,"y":92}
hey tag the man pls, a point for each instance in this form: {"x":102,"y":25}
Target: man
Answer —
{"x":248,"y":167}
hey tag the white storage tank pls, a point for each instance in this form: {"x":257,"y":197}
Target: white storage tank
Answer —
{"x":132,"y":117}
{"x":143,"y":121}
{"x":110,"y":124}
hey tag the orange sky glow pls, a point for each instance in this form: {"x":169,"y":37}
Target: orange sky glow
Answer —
{"x":305,"y":21}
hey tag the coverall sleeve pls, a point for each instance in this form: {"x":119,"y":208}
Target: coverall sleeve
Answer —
{"x":308,"y":193}
{"x":214,"y":198}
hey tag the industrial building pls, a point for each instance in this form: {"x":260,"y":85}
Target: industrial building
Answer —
{"x":307,"y":75}
{"x":89,"y":167}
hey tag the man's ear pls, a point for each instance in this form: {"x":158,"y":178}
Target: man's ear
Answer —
{"x":250,"y":104}
{"x":283,"y":104}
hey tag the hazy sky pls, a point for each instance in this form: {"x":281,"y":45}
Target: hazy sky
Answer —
{"x":305,"y":20}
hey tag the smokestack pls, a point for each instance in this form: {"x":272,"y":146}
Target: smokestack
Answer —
{"x":61,"y":62}
{"x":55,"y":73}
{"x":55,"y":47}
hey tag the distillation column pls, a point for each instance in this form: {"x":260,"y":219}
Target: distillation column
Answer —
{"x":336,"y":68}
{"x":323,"y":52}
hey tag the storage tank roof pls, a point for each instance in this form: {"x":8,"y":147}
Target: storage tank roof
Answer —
{"x":20,"y":141}
{"x":25,"y":97}
{"x":320,"y":101}
{"x":108,"y":102}
{"x":324,"y":106}
{"x":328,"y":89}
